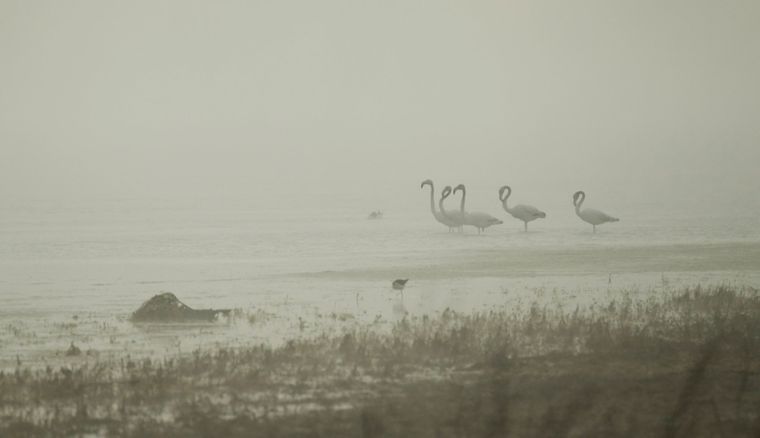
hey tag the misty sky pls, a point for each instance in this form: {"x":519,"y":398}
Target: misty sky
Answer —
{"x":625,"y":99}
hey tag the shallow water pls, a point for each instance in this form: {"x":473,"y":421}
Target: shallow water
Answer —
{"x":74,"y":271}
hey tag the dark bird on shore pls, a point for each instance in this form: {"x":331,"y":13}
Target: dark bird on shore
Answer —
{"x":399,"y":284}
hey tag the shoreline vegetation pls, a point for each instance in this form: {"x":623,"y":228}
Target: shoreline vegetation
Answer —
{"x":683,"y":364}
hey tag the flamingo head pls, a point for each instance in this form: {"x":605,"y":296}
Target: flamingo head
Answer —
{"x":459,"y":187}
{"x":577,"y":196}
{"x":426,"y":182}
{"x":502,"y":190}
{"x":445,"y":192}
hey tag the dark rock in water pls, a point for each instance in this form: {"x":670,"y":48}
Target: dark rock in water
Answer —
{"x":166,"y":307}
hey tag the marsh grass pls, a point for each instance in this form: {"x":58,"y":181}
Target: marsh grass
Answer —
{"x":686,"y":364}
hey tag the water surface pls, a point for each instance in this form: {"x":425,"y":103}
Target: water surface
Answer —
{"x":74,"y":271}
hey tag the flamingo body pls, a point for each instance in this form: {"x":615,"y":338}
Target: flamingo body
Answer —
{"x":526,"y":213}
{"x":596,"y":217}
{"x":480,"y":220}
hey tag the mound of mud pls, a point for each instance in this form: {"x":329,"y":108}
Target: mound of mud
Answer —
{"x":166,"y":307}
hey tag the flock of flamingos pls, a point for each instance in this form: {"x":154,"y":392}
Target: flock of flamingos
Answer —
{"x":456,"y":220}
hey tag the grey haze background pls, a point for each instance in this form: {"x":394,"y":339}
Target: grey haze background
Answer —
{"x":636,"y":101}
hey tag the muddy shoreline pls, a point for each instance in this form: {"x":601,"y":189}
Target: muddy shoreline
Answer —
{"x":682,"y":365}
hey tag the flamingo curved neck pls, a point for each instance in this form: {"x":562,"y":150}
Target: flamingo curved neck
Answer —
{"x":432,"y":199}
{"x":440,"y":205}
{"x":581,"y":198}
{"x":461,"y":205}
{"x":504,"y":200}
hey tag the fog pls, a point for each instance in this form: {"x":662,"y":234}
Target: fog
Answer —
{"x":184,"y":188}
{"x":630,"y":101}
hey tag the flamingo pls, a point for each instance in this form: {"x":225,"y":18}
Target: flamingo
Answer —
{"x":453,"y":217}
{"x":477,"y":219}
{"x":525,"y":213}
{"x":438,"y":215}
{"x":594,"y":217}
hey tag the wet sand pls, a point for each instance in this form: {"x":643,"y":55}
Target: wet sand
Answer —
{"x":589,"y":260}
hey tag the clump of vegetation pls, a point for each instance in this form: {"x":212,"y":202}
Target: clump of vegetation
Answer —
{"x":682,"y":365}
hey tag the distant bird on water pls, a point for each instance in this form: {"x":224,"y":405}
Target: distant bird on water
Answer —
{"x":477,"y":219}
{"x":438,"y":215}
{"x":399,"y":284}
{"x":525,"y":213}
{"x":594,"y":217}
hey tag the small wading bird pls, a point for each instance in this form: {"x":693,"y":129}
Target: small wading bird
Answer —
{"x":525,"y":213}
{"x":477,"y":219}
{"x":438,"y":215}
{"x":399,"y":284}
{"x":594,"y":217}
